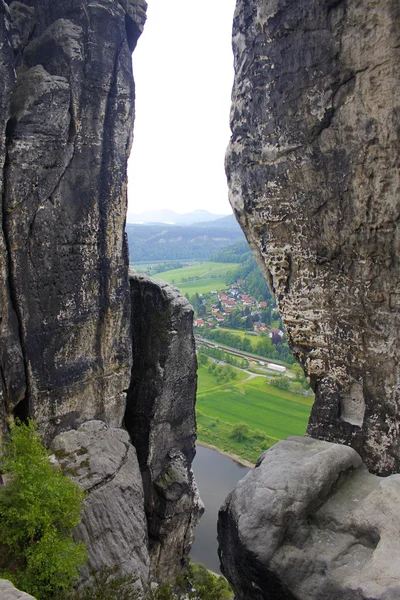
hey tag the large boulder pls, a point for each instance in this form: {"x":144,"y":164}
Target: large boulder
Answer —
{"x":9,"y":592}
{"x":311,"y":523}
{"x":114,"y":528}
{"x":160,"y":417}
{"x":313,"y":171}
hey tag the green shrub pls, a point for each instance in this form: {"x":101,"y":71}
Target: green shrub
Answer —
{"x":106,"y":584}
{"x":39,"y":506}
{"x":240,"y":432}
{"x":281,"y":382}
{"x":207,"y":585}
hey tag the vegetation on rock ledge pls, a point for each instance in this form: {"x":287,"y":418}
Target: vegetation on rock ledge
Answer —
{"x":39,"y":506}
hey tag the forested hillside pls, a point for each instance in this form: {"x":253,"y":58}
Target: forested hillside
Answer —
{"x":173,"y":242}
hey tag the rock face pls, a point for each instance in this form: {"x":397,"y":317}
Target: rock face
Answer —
{"x":114,"y":528}
{"x":9,"y":592}
{"x":12,"y":370}
{"x":310,"y":522}
{"x":160,"y":418}
{"x":66,"y":116}
{"x":66,"y":123}
{"x":313,"y":170}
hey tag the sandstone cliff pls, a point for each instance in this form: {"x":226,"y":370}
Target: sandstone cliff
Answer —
{"x":313,"y":169}
{"x":66,"y":117}
{"x":161,"y":420}
{"x":67,"y":137}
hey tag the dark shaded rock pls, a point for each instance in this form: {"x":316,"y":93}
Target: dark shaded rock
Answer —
{"x":313,"y":170}
{"x":23,"y":22}
{"x":64,"y":197}
{"x":310,"y":523}
{"x":160,"y":417}
{"x":114,"y":528}
{"x":12,"y":370}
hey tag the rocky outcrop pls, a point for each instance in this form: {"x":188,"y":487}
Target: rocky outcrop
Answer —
{"x":310,"y":522}
{"x":67,"y":114}
{"x":12,"y":370}
{"x":114,"y":528}
{"x":160,"y":418}
{"x":313,"y":170}
{"x":9,"y":592}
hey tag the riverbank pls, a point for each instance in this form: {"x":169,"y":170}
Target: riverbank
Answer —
{"x":237,"y":459}
{"x":218,"y":434}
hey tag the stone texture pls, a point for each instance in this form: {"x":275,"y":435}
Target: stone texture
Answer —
{"x":12,"y":371}
{"x":9,"y":592}
{"x":68,"y":131}
{"x":160,"y":417}
{"x":310,"y":523}
{"x":114,"y":528}
{"x":313,"y":170}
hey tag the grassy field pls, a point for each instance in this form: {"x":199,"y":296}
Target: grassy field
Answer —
{"x":268,"y":410}
{"x":219,"y":433}
{"x":201,"y":277}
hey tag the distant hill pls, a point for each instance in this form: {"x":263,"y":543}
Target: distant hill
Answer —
{"x":228,"y":221}
{"x":172,"y":217}
{"x":173,"y":242}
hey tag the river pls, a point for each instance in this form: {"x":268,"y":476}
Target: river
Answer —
{"x":216,"y":476}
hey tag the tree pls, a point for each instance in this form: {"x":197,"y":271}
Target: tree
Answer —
{"x":39,"y":506}
{"x":281,"y":382}
{"x":296,"y":387}
{"x":240,"y":432}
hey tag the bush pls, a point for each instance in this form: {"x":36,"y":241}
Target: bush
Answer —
{"x":281,"y":382}
{"x":207,"y":585}
{"x":39,"y":506}
{"x":106,"y":584}
{"x":240,"y":432}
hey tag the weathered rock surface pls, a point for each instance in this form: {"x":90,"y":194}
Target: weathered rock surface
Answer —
{"x":9,"y":592}
{"x":114,"y":528}
{"x":313,"y":170}
{"x":12,"y":370}
{"x":66,"y":127}
{"x":66,"y":116}
{"x":160,"y":418}
{"x":310,"y":523}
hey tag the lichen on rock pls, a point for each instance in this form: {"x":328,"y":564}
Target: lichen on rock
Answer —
{"x":313,"y":168}
{"x":160,"y":418}
{"x":114,"y":528}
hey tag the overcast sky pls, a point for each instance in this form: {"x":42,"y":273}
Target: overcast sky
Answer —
{"x":183,"y":69}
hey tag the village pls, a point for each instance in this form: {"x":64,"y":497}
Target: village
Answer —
{"x":236,"y":309}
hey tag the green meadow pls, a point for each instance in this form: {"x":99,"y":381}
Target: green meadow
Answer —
{"x":268,"y":411}
{"x":201,"y":277}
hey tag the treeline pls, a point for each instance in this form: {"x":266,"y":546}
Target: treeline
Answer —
{"x":254,"y":281}
{"x":249,"y":271}
{"x":262,"y":347}
{"x":221,"y":355}
{"x":237,"y":253}
{"x":173,"y":242}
